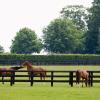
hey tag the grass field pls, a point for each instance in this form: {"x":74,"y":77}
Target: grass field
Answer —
{"x":43,"y":91}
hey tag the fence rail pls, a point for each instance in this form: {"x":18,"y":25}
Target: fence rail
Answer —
{"x":51,"y":77}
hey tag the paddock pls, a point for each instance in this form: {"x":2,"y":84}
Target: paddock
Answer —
{"x":43,"y":90}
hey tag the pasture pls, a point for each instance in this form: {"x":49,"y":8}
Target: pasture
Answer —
{"x":43,"y":91}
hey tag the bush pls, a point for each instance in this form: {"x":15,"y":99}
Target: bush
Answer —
{"x":62,"y":59}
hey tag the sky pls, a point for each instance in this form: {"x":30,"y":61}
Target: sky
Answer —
{"x":34,"y":14}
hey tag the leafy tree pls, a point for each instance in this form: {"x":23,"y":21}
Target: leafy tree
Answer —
{"x":78,"y":14}
{"x":92,"y":40}
{"x":98,"y":42}
{"x":61,"y":36}
{"x":1,"y":49}
{"x":26,"y":42}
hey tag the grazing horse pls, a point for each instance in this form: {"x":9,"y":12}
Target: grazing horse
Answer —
{"x":35,"y":71}
{"x":7,"y":71}
{"x":84,"y":75}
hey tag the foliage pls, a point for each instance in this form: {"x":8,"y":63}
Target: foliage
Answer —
{"x":26,"y":42}
{"x":56,"y":59}
{"x":92,"y":37}
{"x":98,"y":43}
{"x":61,"y":36}
{"x":1,"y":49}
{"x":78,"y":14}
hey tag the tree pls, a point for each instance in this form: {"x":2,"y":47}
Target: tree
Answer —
{"x":1,"y":49}
{"x":26,"y":42}
{"x":98,"y":42}
{"x":61,"y":36}
{"x":78,"y":14}
{"x":93,"y":28}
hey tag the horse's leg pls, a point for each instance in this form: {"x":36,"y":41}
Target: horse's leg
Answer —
{"x":86,"y":82}
{"x":44,"y":76}
{"x":2,"y":79}
{"x":78,"y":81}
{"x":40,"y":76}
{"x":29,"y":75}
{"x":82,"y":82}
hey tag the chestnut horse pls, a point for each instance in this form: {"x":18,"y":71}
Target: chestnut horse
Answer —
{"x":84,"y":75}
{"x":35,"y":71}
{"x":7,"y":71}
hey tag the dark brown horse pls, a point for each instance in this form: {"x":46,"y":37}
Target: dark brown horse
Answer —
{"x":7,"y":71}
{"x":82,"y":74}
{"x":35,"y":71}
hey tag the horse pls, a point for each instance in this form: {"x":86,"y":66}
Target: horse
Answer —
{"x":35,"y":71}
{"x":84,"y":75}
{"x":8,"y":71}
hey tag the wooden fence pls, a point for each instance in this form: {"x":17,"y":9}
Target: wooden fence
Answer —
{"x":51,"y":77}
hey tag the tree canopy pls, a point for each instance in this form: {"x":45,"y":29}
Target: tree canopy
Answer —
{"x":78,"y":14}
{"x":93,"y":34}
{"x":1,"y":49}
{"x":61,"y":36}
{"x":26,"y":42}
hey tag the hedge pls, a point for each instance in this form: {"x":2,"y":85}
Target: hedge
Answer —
{"x":55,"y":59}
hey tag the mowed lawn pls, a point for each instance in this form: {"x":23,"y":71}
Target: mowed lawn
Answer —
{"x":44,"y":91}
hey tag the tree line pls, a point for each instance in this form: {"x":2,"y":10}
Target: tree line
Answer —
{"x":77,"y":30}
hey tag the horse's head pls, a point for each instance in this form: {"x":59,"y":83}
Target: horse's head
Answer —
{"x":27,"y":64}
{"x":16,"y":68}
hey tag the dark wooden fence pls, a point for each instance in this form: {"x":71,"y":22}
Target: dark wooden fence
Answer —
{"x":51,"y":77}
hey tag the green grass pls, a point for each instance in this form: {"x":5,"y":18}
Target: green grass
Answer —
{"x":70,"y":67}
{"x":44,"y":91}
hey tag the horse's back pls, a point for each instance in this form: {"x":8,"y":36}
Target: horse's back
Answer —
{"x":83,"y":73}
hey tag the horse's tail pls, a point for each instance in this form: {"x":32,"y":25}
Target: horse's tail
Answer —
{"x":77,"y":77}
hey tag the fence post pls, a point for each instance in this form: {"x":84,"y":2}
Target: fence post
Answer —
{"x":11,"y":78}
{"x":91,"y":78}
{"x":2,"y":79}
{"x":71,"y":79}
{"x":31,"y":77}
{"x":52,"y":78}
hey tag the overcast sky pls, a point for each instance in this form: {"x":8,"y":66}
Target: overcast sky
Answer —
{"x":34,"y":14}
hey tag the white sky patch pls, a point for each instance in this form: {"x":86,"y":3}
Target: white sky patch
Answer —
{"x":34,"y":14}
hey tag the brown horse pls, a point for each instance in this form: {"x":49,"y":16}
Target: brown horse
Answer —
{"x":35,"y":71}
{"x":84,"y":75}
{"x":7,"y":71}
